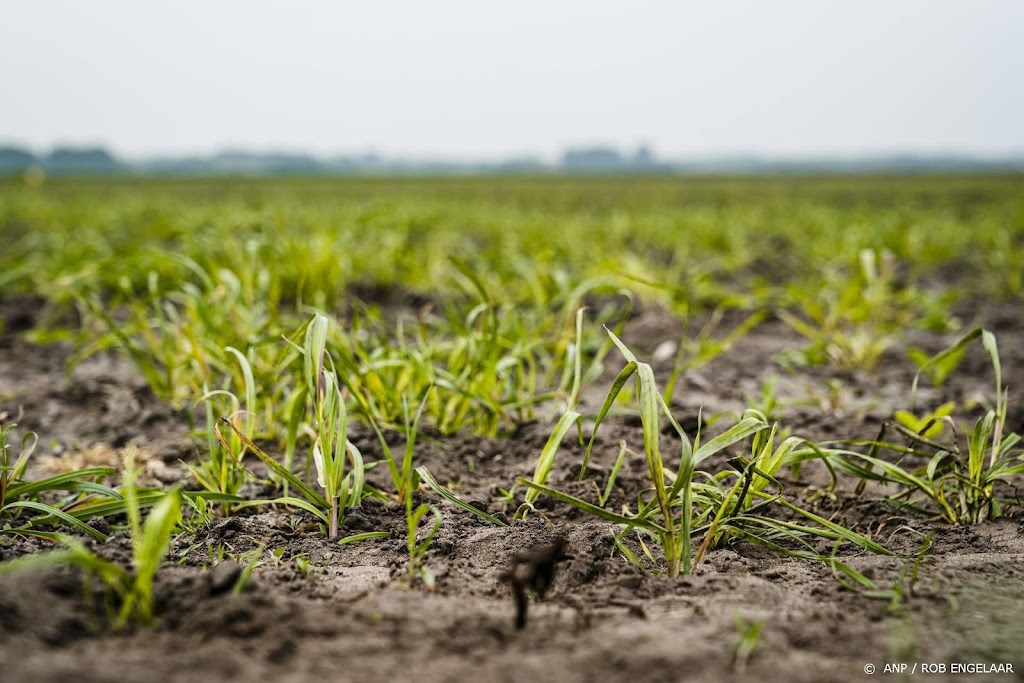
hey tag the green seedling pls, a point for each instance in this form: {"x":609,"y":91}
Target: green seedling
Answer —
{"x":427,"y":478}
{"x":937,"y":370}
{"x":745,"y":509}
{"x":928,"y":425}
{"x":201,"y":517}
{"x":216,"y":553}
{"x":705,"y":346}
{"x":150,"y":540}
{"x":609,"y":485}
{"x":508,"y":495}
{"x":484,"y":368}
{"x":569,"y":417}
{"x":749,"y":638}
{"x":676,"y":507}
{"x":416,"y":545}
{"x":959,"y":485}
{"x":278,"y":555}
{"x":250,"y":561}
{"x":667,"y":516}
{"x":901,"y":590}
{"x":95,"y":500}
{"x":13,"y":469}
{"x":767,"y":401}
{"x":149,"y":544}
{"x":406,"y":481}
{"x":18,"y":496}
{"x":171,"y":323}
{"x":546,"y":461}
{"x":746,"y":497}
{"x":302,"y":563}
{"x":223,"y":471}
{"x":331,"y":451}
{"x":854,"y":317}
{"x":402,"y":472}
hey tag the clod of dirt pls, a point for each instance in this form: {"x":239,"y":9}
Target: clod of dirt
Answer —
{"x":534,"y":571}
{"x":224,"y":576}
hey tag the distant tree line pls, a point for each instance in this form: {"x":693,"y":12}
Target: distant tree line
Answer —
{"x":71,"y":160}
{"x":594,"y":159}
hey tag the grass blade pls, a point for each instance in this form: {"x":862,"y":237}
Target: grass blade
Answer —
{"x":428,"y":478}
{"x":591,"y":509}
{"x":51,"y":511}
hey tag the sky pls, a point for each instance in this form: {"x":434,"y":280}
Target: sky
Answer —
{"x":486,"y":80}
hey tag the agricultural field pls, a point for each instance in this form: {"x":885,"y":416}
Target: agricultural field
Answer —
{"x":574,"y":429}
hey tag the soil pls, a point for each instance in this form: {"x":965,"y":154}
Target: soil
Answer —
{"x":316,"y":609}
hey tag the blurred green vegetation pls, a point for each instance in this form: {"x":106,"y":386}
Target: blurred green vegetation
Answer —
{"x":471,"y":285}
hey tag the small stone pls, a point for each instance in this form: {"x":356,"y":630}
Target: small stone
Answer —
{"x":665,"y":351}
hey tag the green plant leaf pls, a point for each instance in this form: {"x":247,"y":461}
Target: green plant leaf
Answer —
{"x":428,"y":478}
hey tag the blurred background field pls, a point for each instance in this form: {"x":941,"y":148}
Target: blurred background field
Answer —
{"x":175,"y":271}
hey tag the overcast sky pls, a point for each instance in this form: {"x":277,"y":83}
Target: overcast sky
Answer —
{"x":480,"y":80}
